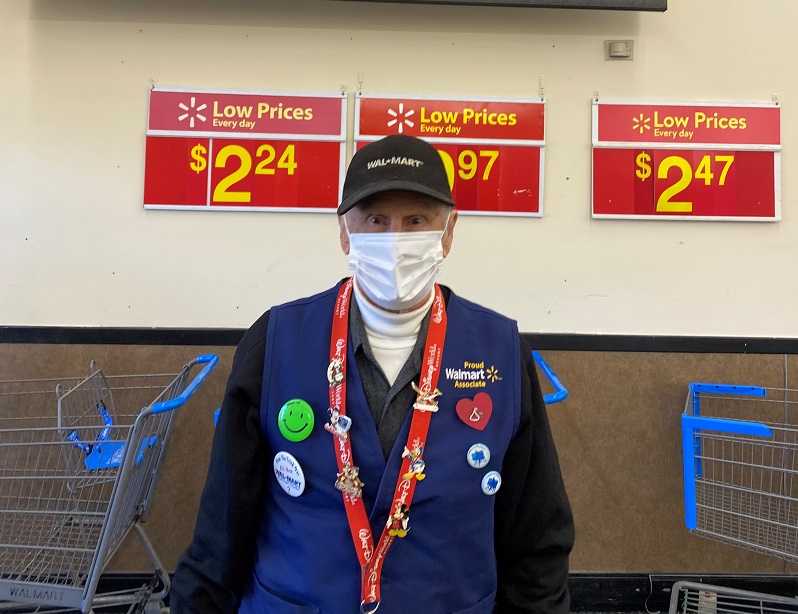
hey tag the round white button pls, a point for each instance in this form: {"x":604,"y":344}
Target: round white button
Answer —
{"x":289,"y":474}
{"x":491,"y":482}
{"x":478,"y":455}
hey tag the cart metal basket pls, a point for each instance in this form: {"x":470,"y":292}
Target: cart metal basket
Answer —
{"x":739,"y":447}
{"x":740,"y":487}
{"x":79,"y":462}
{"x":692,"y":598}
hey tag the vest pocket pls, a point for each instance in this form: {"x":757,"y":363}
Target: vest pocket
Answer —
{"x":262,"y":601}
{"x":485,"y":605}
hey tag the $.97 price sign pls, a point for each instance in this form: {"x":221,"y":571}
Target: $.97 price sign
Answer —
{"x":492,"y":149}
{"x":244,"y":151}
{"x":683,"y":161}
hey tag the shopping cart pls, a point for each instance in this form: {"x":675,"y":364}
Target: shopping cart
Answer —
{"x":739,"y":447}
{"x":560,"y":393}
{"x":693,"y":598}
{"x":75,"y":482}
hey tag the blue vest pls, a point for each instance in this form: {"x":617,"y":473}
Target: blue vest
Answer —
{"x":305,"y":561}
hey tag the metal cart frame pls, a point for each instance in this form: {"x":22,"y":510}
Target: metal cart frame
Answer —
{"x":695,"y":598}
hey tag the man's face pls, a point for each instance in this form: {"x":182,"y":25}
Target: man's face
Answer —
{"x":399,"y":212}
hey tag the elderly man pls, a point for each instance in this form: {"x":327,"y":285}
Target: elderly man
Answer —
{"x":383,"y":443}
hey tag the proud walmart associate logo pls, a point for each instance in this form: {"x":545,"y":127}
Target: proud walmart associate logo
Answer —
{"x":473,"y":375}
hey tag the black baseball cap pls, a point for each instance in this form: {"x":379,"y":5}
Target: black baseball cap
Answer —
{"x":396,"y":162}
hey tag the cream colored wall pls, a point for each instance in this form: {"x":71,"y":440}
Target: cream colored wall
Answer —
{"x":77,"y":247}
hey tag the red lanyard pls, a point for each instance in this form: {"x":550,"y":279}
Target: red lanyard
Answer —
{"x":412,"y":464}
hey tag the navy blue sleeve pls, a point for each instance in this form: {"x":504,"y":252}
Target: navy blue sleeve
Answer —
{"x":215,"y":568}
{"x":534,"y":524}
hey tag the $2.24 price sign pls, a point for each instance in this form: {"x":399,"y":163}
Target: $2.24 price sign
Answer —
{"x":686,"y":162}
{"x":241,"y":173}
{"x":259,"y":152}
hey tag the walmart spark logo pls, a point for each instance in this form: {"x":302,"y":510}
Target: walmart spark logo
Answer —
{"x":641,"y":123}
{"x":400,"y":118}
{"x":492,"y":374}
{"x":191,"y":112}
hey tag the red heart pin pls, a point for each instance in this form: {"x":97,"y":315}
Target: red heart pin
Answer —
{"x":475,"y":413}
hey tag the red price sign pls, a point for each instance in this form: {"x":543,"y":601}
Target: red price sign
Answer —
{"x":655,"y":174}
{"x":183,"y":172}
{"x":492,"y":149}
{"x":684,"y":183}
{"x":230,"y":166}
{"x":493,"y":178}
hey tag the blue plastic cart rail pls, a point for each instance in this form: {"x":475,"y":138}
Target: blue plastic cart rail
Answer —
{"x":210,"y":361}
{"x":696,"y":388}
{"x":560,"y":392}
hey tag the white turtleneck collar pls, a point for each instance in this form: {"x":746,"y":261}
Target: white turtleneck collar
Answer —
{"x":391,"y":336}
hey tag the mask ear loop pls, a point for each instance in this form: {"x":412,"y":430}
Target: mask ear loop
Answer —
{"x":446,"y":223}
{"x":349,"y":238}
{"x":346,"y":226}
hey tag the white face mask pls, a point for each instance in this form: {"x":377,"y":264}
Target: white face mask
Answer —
{"x":396,"y":270}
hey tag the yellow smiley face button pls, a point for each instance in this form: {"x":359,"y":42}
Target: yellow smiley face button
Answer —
{"x":295,"y":420}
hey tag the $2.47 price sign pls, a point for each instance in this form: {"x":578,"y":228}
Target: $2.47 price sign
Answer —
{"x":688,"y":183}
{"x":665,"y":200}
{"x":708,"y":162}
{"x":242,"y":173}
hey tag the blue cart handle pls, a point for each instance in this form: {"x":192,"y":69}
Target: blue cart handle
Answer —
{"x":691,"y":453}
{"x":723,"y":425}
{"x":210,"y":361}
{"x":561,"y":392}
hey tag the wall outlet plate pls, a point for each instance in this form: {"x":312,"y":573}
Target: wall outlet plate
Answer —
{"x":619,"y":49}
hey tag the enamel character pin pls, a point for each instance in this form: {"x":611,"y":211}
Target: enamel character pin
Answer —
{"x":426,"y":400}
{"x":338,"y":425}
{"x":397,"y":523}
{"x":349,"y":482}
{"x":335,"y":372}
{"x":416,"y":469}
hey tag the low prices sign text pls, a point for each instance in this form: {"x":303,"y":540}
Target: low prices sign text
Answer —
{"x":492,"y":149}
{"x":251,"y":151}
{"x":709,"y":162}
